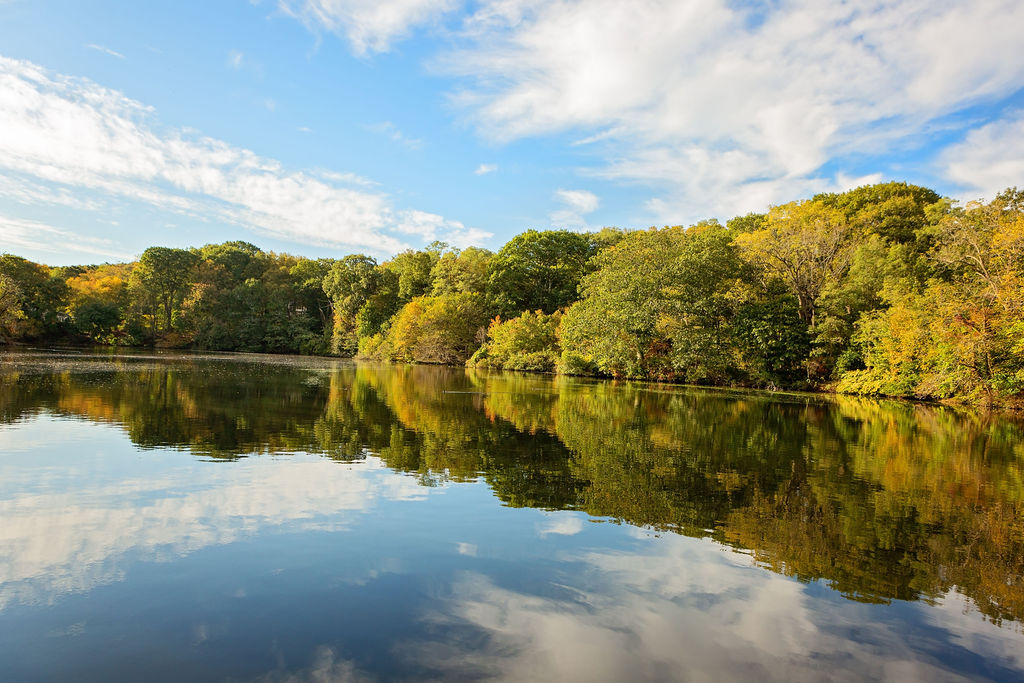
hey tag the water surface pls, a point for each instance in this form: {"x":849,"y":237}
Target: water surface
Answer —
{"x":171,"y":516}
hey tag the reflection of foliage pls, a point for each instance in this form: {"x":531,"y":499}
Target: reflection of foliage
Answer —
{"x":881,"y":501}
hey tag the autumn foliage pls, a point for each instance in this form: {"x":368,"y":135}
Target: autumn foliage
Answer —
{"x":887,"y":289}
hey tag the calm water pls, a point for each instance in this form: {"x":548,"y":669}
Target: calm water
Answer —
{"x":201,"y":518}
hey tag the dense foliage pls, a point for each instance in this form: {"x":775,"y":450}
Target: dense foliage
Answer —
{"x":886,"y":289}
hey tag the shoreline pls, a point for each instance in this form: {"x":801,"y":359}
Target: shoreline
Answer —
{"x":165,"y":353}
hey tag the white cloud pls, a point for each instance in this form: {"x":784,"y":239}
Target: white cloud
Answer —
{"x":345,"y":178}
{"x":72,"y":133}
{"x":725,"y":106}
{"x":104,"y":50}
{"x":369,"y":25}
{"x":575,"y":204}
{"x":990,"y":159}
{"x":29,"y":192}
{"x":430,"y":226}
{"x":25,"y":234}
{"x":579,"y":200}
{"x":235,"y":59}
{"x":326,"y":667}
{"x":484,"y":169}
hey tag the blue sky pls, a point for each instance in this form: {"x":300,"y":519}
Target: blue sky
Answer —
{"x":326,"y":127}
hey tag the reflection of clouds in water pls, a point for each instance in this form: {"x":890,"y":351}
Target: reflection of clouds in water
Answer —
{"x":55,"y":543}
{"x":326,"y":667}
{"x":970,"y":630}
{"x":688,"y":610}
{"x":562,"y":523}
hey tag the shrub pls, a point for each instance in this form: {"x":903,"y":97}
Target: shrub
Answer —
{"x":528,"y":342}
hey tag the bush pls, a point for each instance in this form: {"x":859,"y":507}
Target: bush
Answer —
{"x":536,"y":361}
{"x":376,"y":347}
{"x":528,"y":342}
{"x":572,"y":363}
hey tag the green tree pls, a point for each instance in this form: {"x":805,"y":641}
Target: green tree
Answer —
{"x":162,"y":279}
{"x":528,"y":342}
{"x":606,"y":237}
{"x":461,"y":271}
{"x":349,"y":283}
{"x":959,"y":335}
{"x":806,"y":245}
{"x":308,"y":277}
{"x":238,"y":259}
{"x":896,"y":212}
{"x":752,"y":222}
{"x":42,"y":295}
{"x":774,"y":342}
{"x":438,"y":329}
{"x":414,"y":268}
{"x":538,"y":271}
{"x":11,"y":314}
{"x":658,"y":305}
{"x":380,"y":306}
{"x":98,"y":302}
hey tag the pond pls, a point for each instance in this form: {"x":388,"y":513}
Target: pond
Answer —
{"x":201,"y":517}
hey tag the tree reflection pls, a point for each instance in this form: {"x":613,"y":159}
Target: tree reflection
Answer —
{"x":879,"y":500}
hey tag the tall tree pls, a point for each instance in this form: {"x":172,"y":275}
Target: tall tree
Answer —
{"x":895,"y":211}
{"x":538,"y":271}
{"x":98,"y":299}
{"x":657,"y":305}
{"x":461,"y":271}
{"x":10,"y":308}
{"x":413,"y":269}
{"x":308,"y":275}
{"x":805,"y":244}
{"x":43,"y":295}
{"x":349,"y":283}
{"x":163,"y":277}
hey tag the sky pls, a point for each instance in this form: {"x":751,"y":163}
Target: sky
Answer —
{"x":329,"y":127}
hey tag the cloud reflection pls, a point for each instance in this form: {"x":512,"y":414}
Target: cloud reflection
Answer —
{"x":56,"y":540}
{"x":685,"y":609}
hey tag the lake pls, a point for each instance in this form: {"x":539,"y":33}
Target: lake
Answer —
{"x":200,"y":517}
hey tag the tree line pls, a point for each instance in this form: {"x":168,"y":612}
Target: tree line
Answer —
{"x":888,"y":289}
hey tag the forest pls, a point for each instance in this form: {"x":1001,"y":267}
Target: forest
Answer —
{"x":888,"y":289}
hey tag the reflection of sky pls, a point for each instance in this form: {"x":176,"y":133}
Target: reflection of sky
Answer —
{"x":300,"y":568}
{"x":76,"y":500}
{"x":681,"y":608}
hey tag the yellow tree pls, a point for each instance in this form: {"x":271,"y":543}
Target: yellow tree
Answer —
{"x":107,"y":284}
{"x":962,"y":336}
{"x":981,"y":311}
{"x":10,"y":308}
{"x":806,"y":245}
{"x":97,"y":300}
